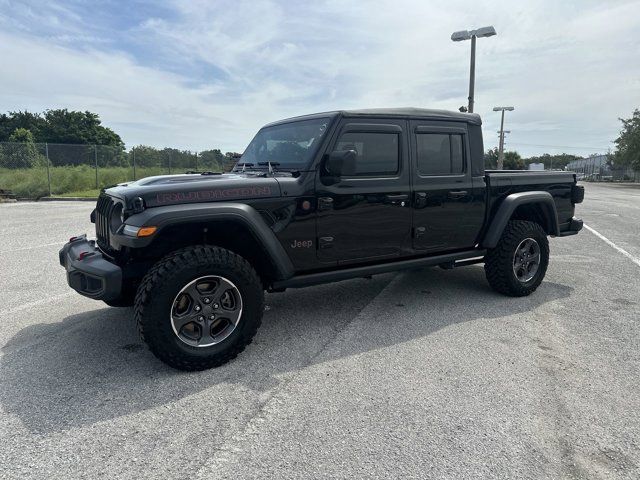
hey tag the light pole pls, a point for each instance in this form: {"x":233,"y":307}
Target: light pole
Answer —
{"x":501,"y":148}
{"x":472,"y":35}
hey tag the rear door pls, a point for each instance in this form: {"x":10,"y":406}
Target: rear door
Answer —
{"x":447,"y":213}
{"x":367,"y":214}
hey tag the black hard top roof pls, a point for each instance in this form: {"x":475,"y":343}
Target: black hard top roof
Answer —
{"x":404,"y":112}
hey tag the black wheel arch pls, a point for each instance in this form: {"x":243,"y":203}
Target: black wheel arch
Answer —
{"x":535,"y":206}
{"x":235,"y":226}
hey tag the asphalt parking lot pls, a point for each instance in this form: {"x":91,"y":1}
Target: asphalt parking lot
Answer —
{"x":424,"y":374}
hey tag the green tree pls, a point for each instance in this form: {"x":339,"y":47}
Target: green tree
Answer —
{"x":491,"y":159}
{"x":230,"y":159}
{"x":63,"y":126}
{"x":10,"y":122}
{"x":628,"y":143}
{"x":558,"y":161}
{"x":513,"y":161}
{"x":21,"y":151}
{"x":21,"y":135}
{"x":211,"y":160}
{"x":147,"y":156}
{"x":60,"y":126}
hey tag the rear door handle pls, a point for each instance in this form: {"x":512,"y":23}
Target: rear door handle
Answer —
{"x":458,"y":193}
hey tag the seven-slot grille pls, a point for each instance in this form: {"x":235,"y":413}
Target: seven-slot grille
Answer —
{"x":104,"y":208}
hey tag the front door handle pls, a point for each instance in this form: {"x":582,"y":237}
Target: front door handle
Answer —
{"x":395,"y":198}
{"x":458,"y":193}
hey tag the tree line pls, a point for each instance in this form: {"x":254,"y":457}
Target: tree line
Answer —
{"x":626,"y":154}
{"x":73,"y":136}
{"x":79,"y":138}
{"x":513,"y":160}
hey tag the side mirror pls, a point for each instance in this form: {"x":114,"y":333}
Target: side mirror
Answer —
{"x":340,"y":162}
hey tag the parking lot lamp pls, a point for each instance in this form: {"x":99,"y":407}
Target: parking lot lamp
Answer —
{"x":472,"y":35}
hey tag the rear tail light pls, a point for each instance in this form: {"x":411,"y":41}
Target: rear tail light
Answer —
{"x":577,"y":194}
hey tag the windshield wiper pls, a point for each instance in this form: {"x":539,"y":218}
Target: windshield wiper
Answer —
{"x":244,"y":165}
{"x":271,"y":166}
{"x":272,"y":169}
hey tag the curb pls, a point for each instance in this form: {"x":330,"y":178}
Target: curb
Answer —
{"x":68,"y":199}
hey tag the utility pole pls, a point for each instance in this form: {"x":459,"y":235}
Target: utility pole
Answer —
{"x":501,"y":145}
{"x":472,"y":35}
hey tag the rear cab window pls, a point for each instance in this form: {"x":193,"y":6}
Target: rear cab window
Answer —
{"x":439,"y":153}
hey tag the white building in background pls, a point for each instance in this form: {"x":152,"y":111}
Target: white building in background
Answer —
{"x":591,"y":166}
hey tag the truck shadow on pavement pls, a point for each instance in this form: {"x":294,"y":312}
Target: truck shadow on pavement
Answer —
{"x":92,"y":366}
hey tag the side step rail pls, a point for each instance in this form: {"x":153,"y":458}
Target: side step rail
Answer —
{"x":461,"y":263}
{"x":300,"y":281}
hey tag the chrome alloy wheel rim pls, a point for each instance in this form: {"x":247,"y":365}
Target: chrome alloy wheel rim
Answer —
{"x":206,"y":311}
{"x":526,"y":260}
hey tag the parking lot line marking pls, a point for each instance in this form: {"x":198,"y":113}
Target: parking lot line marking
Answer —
{"x":611,"y":244}
{"x":25,"y":306}
{"x":31,"y":248}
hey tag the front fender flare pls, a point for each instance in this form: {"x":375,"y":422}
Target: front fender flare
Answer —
{"x":509,"y":206}
{"x":162,"y":217}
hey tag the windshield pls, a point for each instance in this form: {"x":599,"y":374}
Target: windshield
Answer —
{"x":286,"y":146}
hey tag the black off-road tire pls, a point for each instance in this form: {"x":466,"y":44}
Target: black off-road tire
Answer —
{"x":126,"y":299}
{"x":120,"y":302}
{"x":163,"y":282}
{"x":499,"y":261}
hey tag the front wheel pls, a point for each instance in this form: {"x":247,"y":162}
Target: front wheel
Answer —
{"x":199,"y":307}
{"x":517,"y":265}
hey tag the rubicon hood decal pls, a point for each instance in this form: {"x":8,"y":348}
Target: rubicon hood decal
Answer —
{"x":172,"y":190}
{"x":216,"y":194}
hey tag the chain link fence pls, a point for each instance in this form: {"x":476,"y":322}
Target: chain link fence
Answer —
{"x":34,"y":170}
{"x":598,"y":168}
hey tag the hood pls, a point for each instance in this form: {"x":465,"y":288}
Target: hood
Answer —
{"x":193,"y":188}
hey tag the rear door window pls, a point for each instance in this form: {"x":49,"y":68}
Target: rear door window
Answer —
{"x":439,"y":154}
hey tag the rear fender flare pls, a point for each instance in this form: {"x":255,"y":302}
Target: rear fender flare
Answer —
{"x":509,"y":206}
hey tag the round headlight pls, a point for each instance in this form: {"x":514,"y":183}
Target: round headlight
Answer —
{"x":117,"y":217}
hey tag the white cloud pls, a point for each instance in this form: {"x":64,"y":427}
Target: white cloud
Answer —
{"x":210,"y":73}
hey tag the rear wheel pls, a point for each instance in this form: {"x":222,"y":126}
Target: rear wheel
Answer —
{"x":517,"y":265}
{"x":199,"y":307}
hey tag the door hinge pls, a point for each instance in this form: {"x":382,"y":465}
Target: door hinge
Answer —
{"x":420,"y":199}
{"x":325,"y":203}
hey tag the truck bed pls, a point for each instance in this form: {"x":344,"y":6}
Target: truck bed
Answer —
{"x":560,"y":185}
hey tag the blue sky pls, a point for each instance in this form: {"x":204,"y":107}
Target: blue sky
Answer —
{"x":201,"y":74}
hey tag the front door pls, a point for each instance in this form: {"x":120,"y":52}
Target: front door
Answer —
{"x":447,"y":212}
{"x":366,"y":213}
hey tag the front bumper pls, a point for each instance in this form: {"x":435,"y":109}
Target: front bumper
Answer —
{"x":88,"y":272}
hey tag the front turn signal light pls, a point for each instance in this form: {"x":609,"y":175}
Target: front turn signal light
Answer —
{"x":147,"y":231}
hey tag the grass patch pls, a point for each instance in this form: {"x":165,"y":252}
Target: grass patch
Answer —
{"x":81,"y":193}
{"x":69,"y":181}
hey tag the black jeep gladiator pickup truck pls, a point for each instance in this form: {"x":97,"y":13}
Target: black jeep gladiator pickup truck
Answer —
{"x":314,"y":199}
